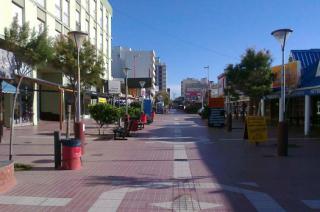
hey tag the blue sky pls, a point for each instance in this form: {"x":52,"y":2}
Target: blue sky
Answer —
{"x":190,"y":34}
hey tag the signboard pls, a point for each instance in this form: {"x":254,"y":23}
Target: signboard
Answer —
{"x":292,"y":75}
{"x":216,"y":102}
{"x":257,"y":129}
{"x":113,"y":87}
{"x":193,"y":93}
{"x":133,"y":92}
{"x":102,"y":100}
{"x":216,"y":117}
{"x":216,"y":112}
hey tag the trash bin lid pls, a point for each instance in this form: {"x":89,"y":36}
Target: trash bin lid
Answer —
{"x":72,"y":142}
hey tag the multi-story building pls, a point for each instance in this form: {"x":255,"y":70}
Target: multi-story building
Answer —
{"x":161,"y":75}
{"x":60,"y":17}
{"x":193,"y":89}
{"x":141,"y":65}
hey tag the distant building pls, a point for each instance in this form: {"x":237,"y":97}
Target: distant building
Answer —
{"x":141,"y":65}
{"x":192,"y":89}
{"x":161,"y":75}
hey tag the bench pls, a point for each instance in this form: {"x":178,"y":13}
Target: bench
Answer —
{"x":125,"y":131}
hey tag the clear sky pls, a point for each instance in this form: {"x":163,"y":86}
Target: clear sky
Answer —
{"x":190,"y":34}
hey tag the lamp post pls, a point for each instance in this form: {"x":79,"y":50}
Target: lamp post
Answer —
{"x":78,"y":37}
{"x":281,"y":35}
{"x":142,"y":83}
{"x":208,"y":81}
{"x":125,"y":71}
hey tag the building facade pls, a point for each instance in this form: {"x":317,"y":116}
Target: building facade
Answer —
{"x":193,"y":89}
{"x":142,"y":68}
{"x":161,"y":75}
{"x":58,"y":17}
{"x":302,"y":90}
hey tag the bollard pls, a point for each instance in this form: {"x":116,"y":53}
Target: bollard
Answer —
{"x":229,"y":122}
{"x":79,"y":133}
{"x":57,"y":150}
{"x":282,"y":139}
{"x":68,"y":121}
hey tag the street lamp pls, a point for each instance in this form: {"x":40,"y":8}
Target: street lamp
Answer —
{"x":142,"y":83}
{"x":78,"y":37}
{"x":281,"y":35}
{"x":125,"y":71}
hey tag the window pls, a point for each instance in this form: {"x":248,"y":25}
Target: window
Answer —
{"x":65,"y":12}
{"x":41,"y":2}
{"x":17,"y":12}
{"x":94,"y":7}
{"x":101,"y":14}
{"x":86,"y":26}
{"x":58,"y":9}
{"x":40,"y":25}
{"x":94,"y":37}
{"x":87,"y":5}
{"x":101,"y":42}
{"x":78,"y":25}
{"x":107,"y":24}
{"x":57,"y":33}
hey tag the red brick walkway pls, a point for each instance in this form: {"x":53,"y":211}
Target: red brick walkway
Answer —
{"x":175,"y":164}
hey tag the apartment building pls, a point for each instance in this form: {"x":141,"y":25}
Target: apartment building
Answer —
{"x":59,"y":17}
{"x":142,"y":68}
{"x":161,"y":75}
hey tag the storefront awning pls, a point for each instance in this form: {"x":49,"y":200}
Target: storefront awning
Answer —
{"x":7,"y":88}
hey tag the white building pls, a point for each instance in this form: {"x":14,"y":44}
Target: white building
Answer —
{"x":140,"y":63}
{"x":60,"y":17}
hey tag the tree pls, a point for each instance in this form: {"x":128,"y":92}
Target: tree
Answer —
{"x":27,"y":51}
{"x":104,"y":113}
{"x":252,"y":76}
{"x":91,"y":63}
{"x":163,"y":96}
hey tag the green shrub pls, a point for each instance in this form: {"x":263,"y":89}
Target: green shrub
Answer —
{"x":135,"y":104}
{"x":134,"y":112}
{"x":104,"y":113}
{"x":192,"y":108}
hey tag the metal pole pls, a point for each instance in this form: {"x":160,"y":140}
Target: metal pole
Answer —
{"x":126,"y":78}
{"x":78,"y":90}
{"x":283,"y":87}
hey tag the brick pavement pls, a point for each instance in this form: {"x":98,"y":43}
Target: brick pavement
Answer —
{"x":215,"y":171}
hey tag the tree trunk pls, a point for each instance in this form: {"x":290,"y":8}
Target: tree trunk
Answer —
{"x":12,"y":118}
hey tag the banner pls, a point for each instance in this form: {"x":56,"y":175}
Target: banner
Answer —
{"x":292,"y":75}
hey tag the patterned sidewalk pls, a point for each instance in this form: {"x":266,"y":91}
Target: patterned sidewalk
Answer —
{"x":175,"y":164}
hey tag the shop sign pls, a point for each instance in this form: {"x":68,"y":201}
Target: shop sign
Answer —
{"x":292,"y":75}
{"x":257,"y":129}
{"x":114,"y":87}
{"x":102,"y":100}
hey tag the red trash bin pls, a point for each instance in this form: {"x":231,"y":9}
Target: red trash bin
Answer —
{"x":71,"y":154}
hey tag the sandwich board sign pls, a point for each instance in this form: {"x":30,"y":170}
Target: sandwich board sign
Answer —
{"x":256,"y":127}
{"x":216,"y":112}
